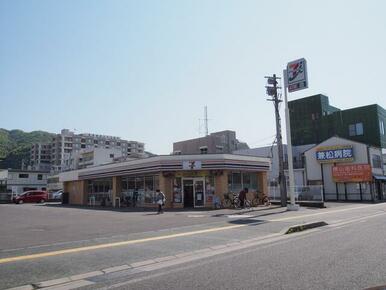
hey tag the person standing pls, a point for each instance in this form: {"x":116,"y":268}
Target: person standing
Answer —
{"x":243,"y":196}
{"x":160,"y":200}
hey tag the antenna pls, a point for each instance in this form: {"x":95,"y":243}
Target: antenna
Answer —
{"x":206,"y":121}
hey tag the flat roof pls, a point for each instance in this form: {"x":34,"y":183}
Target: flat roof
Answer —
{"x":170,"y":163}
{"x":25,"y":171}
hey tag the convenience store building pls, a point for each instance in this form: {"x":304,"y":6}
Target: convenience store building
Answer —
{"x":186,"y":180}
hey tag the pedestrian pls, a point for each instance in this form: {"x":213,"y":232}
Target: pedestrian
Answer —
{"x":160,"y":200}
{"x":243,"y":196}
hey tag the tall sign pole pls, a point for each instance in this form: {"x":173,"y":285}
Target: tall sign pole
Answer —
{"x":295,"y":78}
{"x":272,"y":89}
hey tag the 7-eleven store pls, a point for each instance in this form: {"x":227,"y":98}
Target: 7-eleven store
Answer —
{"x":186,"y":180}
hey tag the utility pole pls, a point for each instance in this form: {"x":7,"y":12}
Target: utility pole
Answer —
{"x":272,"y":89}
{"x":206,"y":121}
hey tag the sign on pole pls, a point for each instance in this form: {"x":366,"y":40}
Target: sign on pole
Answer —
{"x":297,"y":75}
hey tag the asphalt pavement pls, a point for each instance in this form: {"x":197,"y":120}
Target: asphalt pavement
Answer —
{"x":222,"y":249}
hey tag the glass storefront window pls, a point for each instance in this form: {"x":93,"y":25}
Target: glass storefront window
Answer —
{"x":149,"y":183}
{"x":209,"y":189}
{"x":124,"y":184}
{"x":140,"y":183}
{"x":149,"y":189}
{"x":100,"y":190}
{"x":253,"y":184}
{"x":130,"y":183}
{"x":177,"y":190}
{"x":237,"y":181}
{"x":250,"y":181}
{"x":143,"y":186}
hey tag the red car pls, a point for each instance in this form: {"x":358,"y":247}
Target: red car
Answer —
{"x":32,"y":196}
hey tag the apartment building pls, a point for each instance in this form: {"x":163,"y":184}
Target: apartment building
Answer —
{"x":40,"y":158}
{"x":218,"y":142}
{"x":68,"y":142}
{"x":92,"y":157}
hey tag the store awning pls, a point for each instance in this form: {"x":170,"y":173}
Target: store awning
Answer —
{"x":380,"y":177}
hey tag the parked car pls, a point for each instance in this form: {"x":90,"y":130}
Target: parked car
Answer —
{"x":57,"y":194}
{"x":32,"y":196}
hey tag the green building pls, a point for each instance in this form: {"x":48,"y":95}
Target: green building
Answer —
{"x":314,"y":120}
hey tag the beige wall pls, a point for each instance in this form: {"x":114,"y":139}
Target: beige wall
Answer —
{"x":77,"y":191}
{"x":165,"y":185}
{"x":262,"y":180}
{"x":116,"y":189}
{"x":221,"y":184}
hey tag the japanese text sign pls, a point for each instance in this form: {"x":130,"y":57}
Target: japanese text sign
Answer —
{"x":332,"y":154}
{"x":352,"y":173}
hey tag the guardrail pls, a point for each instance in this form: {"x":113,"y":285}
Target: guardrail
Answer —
{"x":312,"y":193}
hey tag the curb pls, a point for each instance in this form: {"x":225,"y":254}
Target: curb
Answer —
{"x":303,"y":227}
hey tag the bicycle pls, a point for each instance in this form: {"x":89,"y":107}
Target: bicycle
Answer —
{"x":230,"y":200}
{"x":264,"y":200}
{"x":247,"y":204}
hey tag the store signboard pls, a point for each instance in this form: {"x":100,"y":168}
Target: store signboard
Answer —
{"x":333,"y":154}
{"x":352,"y":173}
{"x":191,"y":165}
{"x":297,"y":78}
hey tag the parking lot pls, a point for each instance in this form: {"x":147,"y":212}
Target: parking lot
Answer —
{"x":29,"y":225}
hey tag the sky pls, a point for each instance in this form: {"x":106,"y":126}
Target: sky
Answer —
{"x":144,"y":70}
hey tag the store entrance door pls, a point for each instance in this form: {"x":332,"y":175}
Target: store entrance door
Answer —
{"x":194,"y":192}
{"x":188,"y":192}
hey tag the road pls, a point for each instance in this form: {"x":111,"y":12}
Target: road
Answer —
{"x":70,"y":248}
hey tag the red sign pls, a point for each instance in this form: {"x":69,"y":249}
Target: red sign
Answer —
{"x":352,"y":173}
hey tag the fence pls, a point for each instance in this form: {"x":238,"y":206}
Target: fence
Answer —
{"x":311,"y":193}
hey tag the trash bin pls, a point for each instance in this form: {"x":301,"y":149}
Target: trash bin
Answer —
{"x":65,"y":197}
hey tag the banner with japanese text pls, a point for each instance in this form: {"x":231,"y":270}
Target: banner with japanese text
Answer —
{"x":352,"y":173}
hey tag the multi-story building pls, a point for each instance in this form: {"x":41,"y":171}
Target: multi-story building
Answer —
{"x":384,"y":162}
{"x":40,"y":158}
{"x":92,"y":157}
{"x":68,"y":142}
{"x":313,"y":120}
{"x":218,"y":142}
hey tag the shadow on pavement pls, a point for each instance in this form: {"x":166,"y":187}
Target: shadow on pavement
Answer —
{"x":247,"y":221}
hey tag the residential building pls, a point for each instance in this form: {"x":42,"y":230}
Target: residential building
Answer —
{"x":186,"y":180}
{"x":40,"y":158}
{"x":14,"y":181}
{"x":384,"y":162}
{"x":92,"y":157}
{"x":314,"y":120}
{"x":218,"y":142}
{"x":67,"y":142}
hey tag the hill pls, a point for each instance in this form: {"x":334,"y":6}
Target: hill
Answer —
{"x":15,"y":146}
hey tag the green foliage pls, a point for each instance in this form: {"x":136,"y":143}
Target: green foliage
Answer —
{"x":15,"y":146}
